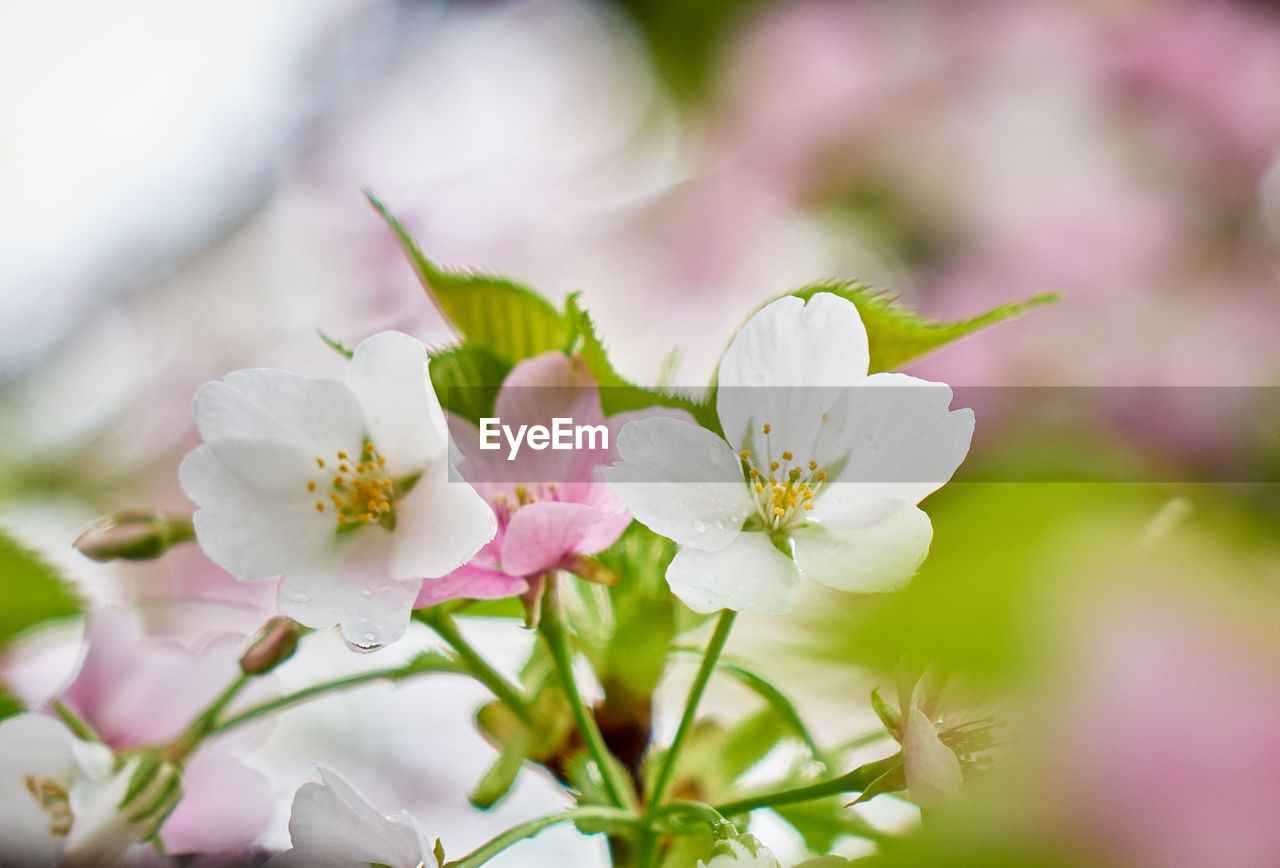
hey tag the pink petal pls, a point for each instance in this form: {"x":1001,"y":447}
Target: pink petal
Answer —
{"x":224,"y":807}
{"x":472,"y":582}
{"x":541,"y":534}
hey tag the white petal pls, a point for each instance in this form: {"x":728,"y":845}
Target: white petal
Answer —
{"x":749,"y":576}
{"x":352,"y":589}
{"x":37,"y":747}
{"x":388,"y":374}
{"x":252,"y":537}
{"x":332,"y":820}
{"x":318,"y":415}
{"x":820,"y":346}
{"x":440,"y":525}
{"x":897,"y":437}
{"x":932,"y":769}
{"x":877,"y":548}
{"x":681,"y":481}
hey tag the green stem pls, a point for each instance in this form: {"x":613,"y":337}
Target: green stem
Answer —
{"x":75,"y":722}
{"x":205,"y":723}
{"x":709,"y":658}
{"x":447,"y":628}
{"x":398,"y":673}
{"x":515,"y":834}
{"x":855,"y":781}
{"x":555,"y":634}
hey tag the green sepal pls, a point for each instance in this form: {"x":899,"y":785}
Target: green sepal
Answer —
{"x":892,"y":781}
{"x":502,"y":774}
{"x":898,"y":334}
{"x":438,"y":852}
{"x":888,"y":715}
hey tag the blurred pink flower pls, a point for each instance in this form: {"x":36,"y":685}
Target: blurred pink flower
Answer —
{"x":137,"y":690}
{"x":550,"y":504}
{"x":1166,"y":745}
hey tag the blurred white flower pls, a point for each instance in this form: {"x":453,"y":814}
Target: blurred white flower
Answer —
{"x":340,"y":485}
{"x":334,"y":826}
{"x":744,"y":851}
{"x":820,"y":475}
{"x":66,"y":803}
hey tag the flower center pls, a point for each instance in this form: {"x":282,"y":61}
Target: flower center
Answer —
{"x":504,"y":507}
{"x":783,"y":487}
{"x":359,"y":492}
{"x":53,"y":800}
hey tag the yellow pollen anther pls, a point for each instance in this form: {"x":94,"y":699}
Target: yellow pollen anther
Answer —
{"x":342,"y":456}
{"x":342,"y":519}
{"x":754,"y":474}
{"x":311,"y":486}
{"x":773,"y":465}
{"x":319,"y":506}
{"x":744,"y":454}
{"x":787,"y":456}
{"x":320,"y":463}
{"x":337,"y":480}
{"x":821,"y":475}
{"x":368,"y":449}
{"x":759,"y":488}
{"x":777,"y":510}
{"x":343,"y":468}
{"x":381,"y":461}
{"x":813,"y":465}
{"x":767,"y":427}
{"x":808,"y":506}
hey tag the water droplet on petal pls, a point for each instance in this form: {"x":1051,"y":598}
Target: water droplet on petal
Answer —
{"x":699,"y":526}
{"x":366,"y":644}
{"x":300,"y":597}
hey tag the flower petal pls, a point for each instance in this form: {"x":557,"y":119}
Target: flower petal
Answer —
{"x":440,"y":525}
{"x":252,"y":537}
{"x":332,"y":819}
{"x":932,"y":769}
{"x":676,"y":479}
{"x":225,"y":805}
{"x":820,"y":346}
{"x":351,"y":589}
{"x":541,"y":534}
{"x":876,"y":548}
{"x":36,"y":746}
{"x":318,"y":415}
{"x":472,"y":582}
{"x":388,"y":374}
{"x":749,"y":576}
{"x":897,"y":437}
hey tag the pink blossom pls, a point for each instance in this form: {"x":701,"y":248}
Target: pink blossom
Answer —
{"x":558,"y":508}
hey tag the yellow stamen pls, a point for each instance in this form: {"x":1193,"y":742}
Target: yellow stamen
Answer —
{"x":319,"y":506}
{"x":342,"y":456}
{"x":813,"y":465}
{"x":311,"y":486}
{"x":787,"y":456}
{"x":767,"y":428}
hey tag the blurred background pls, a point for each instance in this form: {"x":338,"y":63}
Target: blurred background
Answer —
{"x":180,"y":196}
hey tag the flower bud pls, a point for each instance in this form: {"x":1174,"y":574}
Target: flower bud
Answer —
{"x":134,"y":535}
{"x":744,"y":851}
{"x":274,"y":644}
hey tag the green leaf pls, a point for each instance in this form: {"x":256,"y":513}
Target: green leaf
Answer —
{"x":617,"y":394}
{"x":778,"y":702}
{"x":501,"y":776}
{"x":33,"y":591}
{"x":511,"y":321}
{"x":898,"y":334}
{"x":823,"y":822}
{"x":466,"y":380}
{"x":750,"y":741}
{"x":9,"y":704}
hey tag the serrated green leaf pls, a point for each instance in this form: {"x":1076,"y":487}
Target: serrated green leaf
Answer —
{"x":501,"y":776}
{"x":511,"y":321}
{"x":33,"y":591}
{"x":898,"y":334}
{"x":9,"y":704}
{"x":466,"y":380}
{"x":618,"y":394}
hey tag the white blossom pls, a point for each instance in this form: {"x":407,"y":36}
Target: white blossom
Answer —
{"x":341,"y":486}
{"x":818,"y":474}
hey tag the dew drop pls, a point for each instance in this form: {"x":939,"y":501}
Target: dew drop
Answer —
{"x":299,"y":597}
{"x":366,"y":645}
{"x":699,"y":526}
